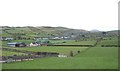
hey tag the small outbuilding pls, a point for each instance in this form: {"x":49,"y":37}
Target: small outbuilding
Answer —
{"x":16,"y":44}
{"x":34,"y":44}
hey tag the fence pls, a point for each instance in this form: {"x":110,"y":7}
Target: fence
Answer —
{"x":28,"y":57}
{"x":74,"y":45}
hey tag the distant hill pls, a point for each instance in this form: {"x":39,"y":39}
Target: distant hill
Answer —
{"x":94,"y":30}
{"x":47,"y":31}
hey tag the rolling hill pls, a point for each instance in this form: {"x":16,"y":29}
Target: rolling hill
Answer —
{"x":47,"y":31}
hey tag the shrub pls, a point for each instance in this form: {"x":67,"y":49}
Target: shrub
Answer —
{"x":63,"y":42}
{"x":71,"y":53}
{"x":78,"y":51}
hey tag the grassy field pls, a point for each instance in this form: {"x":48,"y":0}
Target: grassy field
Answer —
{"x":68,"y":42}
{"x":25,"y":41}
{"x":90,"y":58}
{"x":58,"y":49}
{"x":72,"y":42}
{"x":108,"y":42}
{"x":4,"y":43}
{"x":93,"y":58}
{"x":113,"y":41}
{"x":9,"y":53}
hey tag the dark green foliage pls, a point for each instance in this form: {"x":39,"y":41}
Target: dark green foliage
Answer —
{"x":71,"y":53}
{"x":78,"y":51}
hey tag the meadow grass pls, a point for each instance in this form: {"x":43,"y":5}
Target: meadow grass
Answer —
{"x":72,"y":42}
{"x":10,"y":53}
{"x":68,"y":42}
{"x":59,"y":49}
{"x":108,"y":42}
{"x":25,"y":41}
{"x":93,"y":58}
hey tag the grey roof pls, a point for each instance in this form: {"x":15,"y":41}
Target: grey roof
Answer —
{"x":13,"y":43}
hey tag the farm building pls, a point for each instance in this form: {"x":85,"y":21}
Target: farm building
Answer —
{"x":34,"y":44}
{"x":16,"y":44}
{"x":43,"y":41}
{"x":40,"y":42}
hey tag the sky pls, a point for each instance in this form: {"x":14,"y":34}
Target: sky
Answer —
{"x":76,"y":14}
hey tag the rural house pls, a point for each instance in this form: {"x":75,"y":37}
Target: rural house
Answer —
{"x":34,"y":44}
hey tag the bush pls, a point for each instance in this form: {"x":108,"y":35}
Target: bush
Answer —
{"x":71,"y":53}
{"x":109,"y":45}
{"x":63,"y":42}
{"x":78,"y":51}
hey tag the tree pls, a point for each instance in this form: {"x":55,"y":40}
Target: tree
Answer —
{"x":83,"y":36}
{"x":71,"y":53}
{"x":104,"y":33}
{"x":78,"y":51}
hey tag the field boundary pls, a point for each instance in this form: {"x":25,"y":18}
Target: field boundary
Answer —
{"x":74,"y":45}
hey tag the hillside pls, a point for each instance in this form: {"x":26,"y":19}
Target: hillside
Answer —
{"x":47,"y":31}
{"x":43,"y":31}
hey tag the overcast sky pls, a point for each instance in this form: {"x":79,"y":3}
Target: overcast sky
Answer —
{"x":78,"y":14}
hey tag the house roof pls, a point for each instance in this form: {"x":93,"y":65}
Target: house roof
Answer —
{"x":13,"y":43}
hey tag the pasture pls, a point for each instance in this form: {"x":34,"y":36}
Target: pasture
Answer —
{"x":73,"y":42}
{"x":89,"y":58}
{"x":114,"y":41}
{"x":25,"y":41}
{"x":55,"y":42}
{"x":62,"y":50}
{"x":97,"y":57}
{"x":93,"y":58}
{"x":10,"y":53}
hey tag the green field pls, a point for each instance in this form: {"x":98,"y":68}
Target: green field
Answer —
{"x":97,"y":57}
{"x":25,"y":41}
{"x":72,"y":42}
{"x":56,"y":42}
{"x":109,"y":42}
{"x":93,"y":58}
{"x":58,"y":49}
{"x":114,"y":41}
{"x":89,"y":58}
{"x":9,"y":53}
{"x":4,"y":43}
